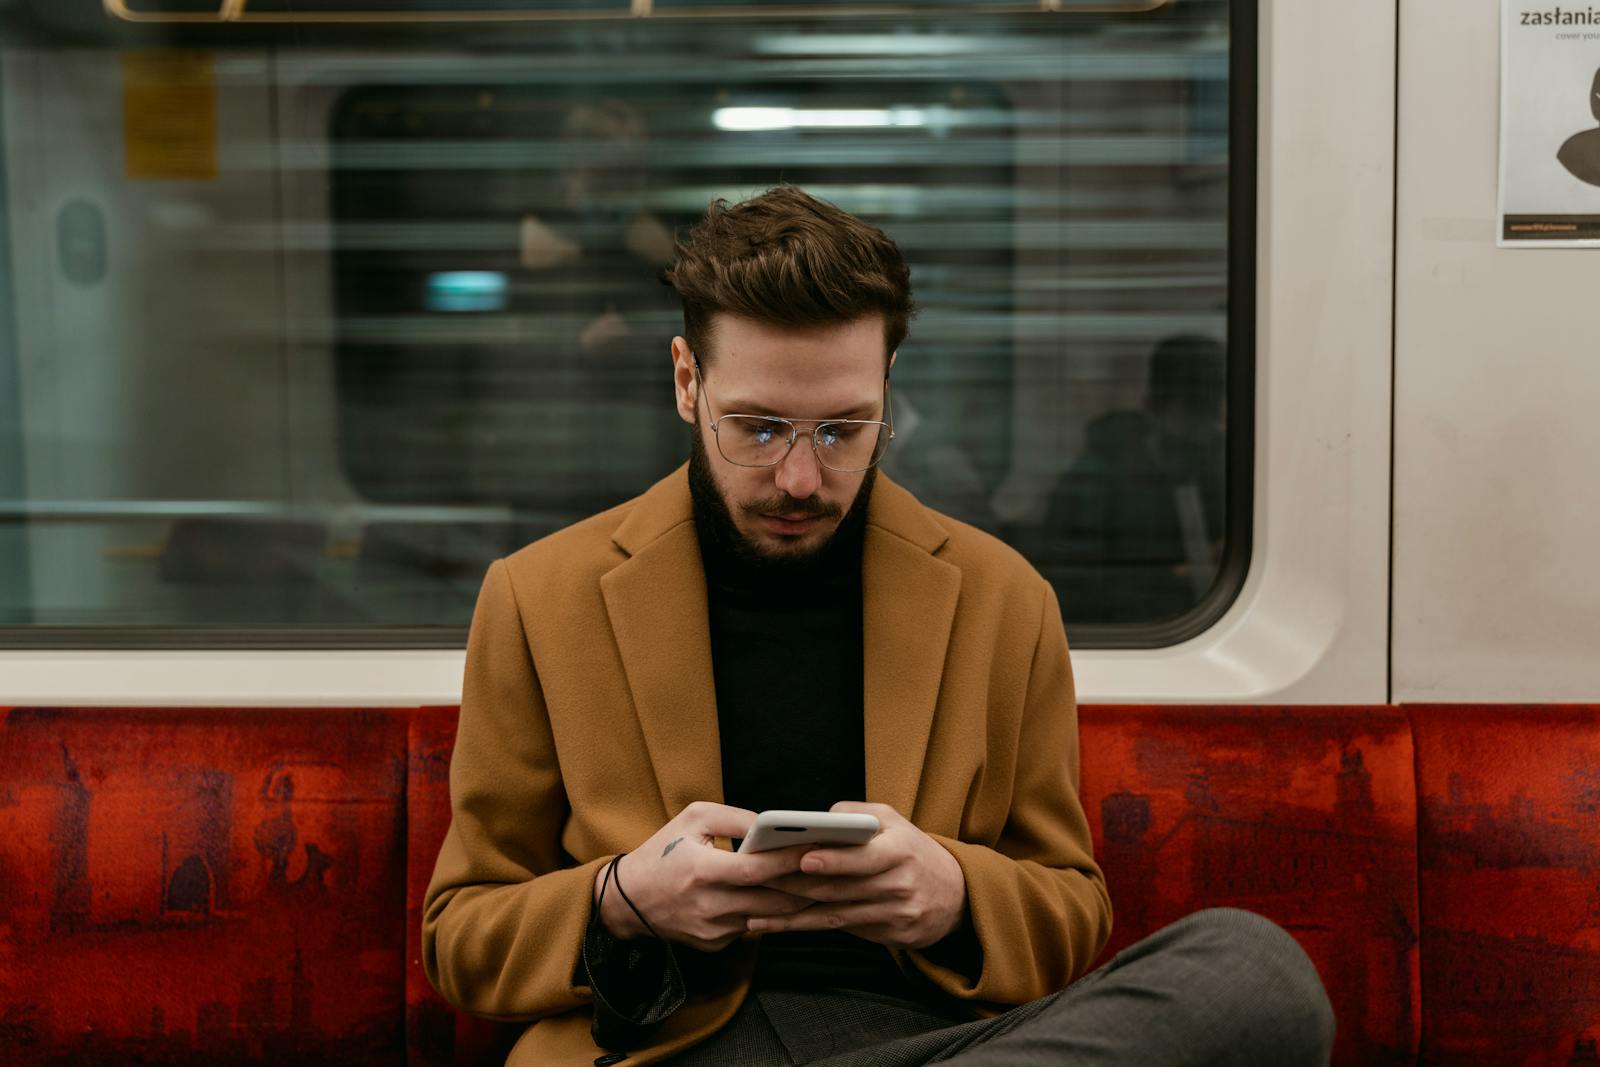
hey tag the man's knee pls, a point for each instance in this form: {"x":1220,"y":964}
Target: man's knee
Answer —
{"x":1272,"y":984}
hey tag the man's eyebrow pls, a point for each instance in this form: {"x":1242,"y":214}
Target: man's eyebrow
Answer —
{"x":860,"y":411}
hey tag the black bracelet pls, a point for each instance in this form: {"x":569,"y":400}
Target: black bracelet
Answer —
{"x":613,"y":870}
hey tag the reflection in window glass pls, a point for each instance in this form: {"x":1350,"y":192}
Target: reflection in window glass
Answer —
{"x":405,"y":314}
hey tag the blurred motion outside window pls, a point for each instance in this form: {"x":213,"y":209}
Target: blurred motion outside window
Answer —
{"x":297,"y":335}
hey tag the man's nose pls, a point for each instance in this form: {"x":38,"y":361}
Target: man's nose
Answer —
{"x":800,"y":475}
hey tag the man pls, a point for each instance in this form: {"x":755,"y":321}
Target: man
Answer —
{"x":773,"y":627}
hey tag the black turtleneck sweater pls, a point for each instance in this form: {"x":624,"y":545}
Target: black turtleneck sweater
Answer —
{"x":786,"y":655}
{"x":786,"y":652}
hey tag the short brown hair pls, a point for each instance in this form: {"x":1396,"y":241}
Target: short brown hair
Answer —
{"x":785,"y":258}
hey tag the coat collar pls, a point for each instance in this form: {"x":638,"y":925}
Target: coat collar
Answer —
{"x":656,"y":601}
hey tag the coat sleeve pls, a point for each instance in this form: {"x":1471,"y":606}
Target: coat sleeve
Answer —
{"x":505,"y":912}
{"x":1036,"y":899}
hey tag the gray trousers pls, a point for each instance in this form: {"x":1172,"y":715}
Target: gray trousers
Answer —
{"x":1221,"y":987}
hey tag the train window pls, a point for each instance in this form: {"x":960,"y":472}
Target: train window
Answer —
{"x":298,"y":332}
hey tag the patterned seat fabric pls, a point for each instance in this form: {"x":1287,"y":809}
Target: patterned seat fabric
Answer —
{"x":1509,"y":857}
{"x":235,"y":885}
{"x":201,"y":886}
{"x":1306,"y":815}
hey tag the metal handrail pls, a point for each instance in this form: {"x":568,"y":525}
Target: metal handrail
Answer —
{"x":237,"y":11}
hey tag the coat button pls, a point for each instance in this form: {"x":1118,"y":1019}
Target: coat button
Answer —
{"x":609,"y":1058}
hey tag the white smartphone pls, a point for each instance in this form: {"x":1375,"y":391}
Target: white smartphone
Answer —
{"x":780,"y":829}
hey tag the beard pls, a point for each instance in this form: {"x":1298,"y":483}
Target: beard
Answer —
{"x":714,"y":520}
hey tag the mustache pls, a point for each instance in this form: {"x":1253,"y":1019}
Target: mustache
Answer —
{"x":811,"y":507}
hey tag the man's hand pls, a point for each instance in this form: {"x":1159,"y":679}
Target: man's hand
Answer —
{"x":693,"y":892}
{"x":902,"y":889}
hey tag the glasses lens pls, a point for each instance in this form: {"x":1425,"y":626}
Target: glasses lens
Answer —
{"x":851,"y":446}
{"x":751,"y":441}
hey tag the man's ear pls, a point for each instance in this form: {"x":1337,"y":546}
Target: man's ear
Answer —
{"x":685,"y":389}
{"x":892,"y":357}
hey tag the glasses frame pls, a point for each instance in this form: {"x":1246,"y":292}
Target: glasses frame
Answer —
{"x":885,"y":423}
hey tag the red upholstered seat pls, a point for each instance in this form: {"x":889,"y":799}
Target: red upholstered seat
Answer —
{"x":243,"y":885}
{"x":1509,"y":855}
{"x":201,"y":886}
{"x":1305,"y":815}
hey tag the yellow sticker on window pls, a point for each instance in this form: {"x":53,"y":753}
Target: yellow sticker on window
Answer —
{"x":169,"y":114}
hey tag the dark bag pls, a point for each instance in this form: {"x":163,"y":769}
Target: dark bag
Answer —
{"x":637,"y":984}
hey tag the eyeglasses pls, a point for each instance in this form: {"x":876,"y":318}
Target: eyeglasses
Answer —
{"x":845,"y":445}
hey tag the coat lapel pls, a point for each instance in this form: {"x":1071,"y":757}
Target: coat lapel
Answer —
{"x":909,"y":602}
{"x":656,"y":600}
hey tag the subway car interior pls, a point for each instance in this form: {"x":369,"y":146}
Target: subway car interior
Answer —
{"x":311,"y":310}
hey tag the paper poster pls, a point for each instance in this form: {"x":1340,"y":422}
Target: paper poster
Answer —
{"x":1549,"y":125}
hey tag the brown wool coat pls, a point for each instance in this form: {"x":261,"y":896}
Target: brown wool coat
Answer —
{"x":588,"y":720}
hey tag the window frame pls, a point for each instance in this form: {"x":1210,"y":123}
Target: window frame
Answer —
{"x":1233,"y":568}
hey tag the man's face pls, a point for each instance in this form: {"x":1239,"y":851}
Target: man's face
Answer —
{"x":791,"y":510}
